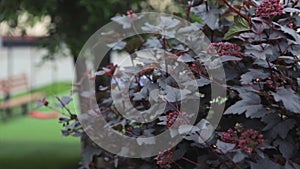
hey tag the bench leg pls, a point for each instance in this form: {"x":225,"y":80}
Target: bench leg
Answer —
{"x":3,"y":115}
{"x":25,"y":109}
{"x":8,"y":112}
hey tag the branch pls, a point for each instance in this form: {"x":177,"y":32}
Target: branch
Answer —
{"x":237,"y":11}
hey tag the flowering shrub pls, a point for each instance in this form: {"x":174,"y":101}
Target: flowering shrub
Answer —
{"x":181,"y":118}
{"x":259,"y":47}
{"x":246,"y":140}
{"x":226,"y":49}
{"x":164,"y":159}
{"x":269,"y":8}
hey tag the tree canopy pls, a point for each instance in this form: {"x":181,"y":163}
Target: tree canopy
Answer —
{"x":72,"y":22}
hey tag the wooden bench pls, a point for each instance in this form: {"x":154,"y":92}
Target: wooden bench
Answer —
{"x":15,"y":85}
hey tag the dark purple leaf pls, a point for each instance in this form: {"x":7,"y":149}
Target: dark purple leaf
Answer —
{"x":259,"y":25}
{"x":259,"y":51}
{"x":225,"y":58}
{"x":291,"y":10}
{"x":63,"y":120}
{"x":291,"y":165}
{"x":153,"y":43}
{"x":266,"y":164}
{"x":179,"y":153}
{"x":185,"y":58}
{"x":88,"y":154}
{"x":239,"y":156}
{"x":282,"y":129}
{"x":210,"y":16}
{"x":271,"y":120}
{"x":285,"y":147}
{"x":224,"y":147}
{"x":253,"y":74}
{"x":122,"y":20}
{"x":250,"y":105}
{"x":289,"y":99}
{"x":175,"y":94}
{"x":291,"y":32}
{"x":77,"y":134}
{"x":65,"y":132}
{"x":63,"y":101}
{"x":200,"y":82}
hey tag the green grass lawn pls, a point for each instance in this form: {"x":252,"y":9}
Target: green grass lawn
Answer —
{"x":28,"y":143}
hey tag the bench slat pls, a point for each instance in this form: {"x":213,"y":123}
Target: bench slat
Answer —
{"x":13,"y":102}
{"x":14,"y":83}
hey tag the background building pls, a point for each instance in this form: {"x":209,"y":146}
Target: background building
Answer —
{"x":21,"y":55}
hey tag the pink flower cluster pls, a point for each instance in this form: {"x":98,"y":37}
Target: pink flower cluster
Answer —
{"x":245,"y":139}
{"x":164,"y":159}
{"x":275,"y":81}
{"x":131,"y":14}
{"x":225,"y":48}
{"x":172,"y":117}
{"x":269,"y":9}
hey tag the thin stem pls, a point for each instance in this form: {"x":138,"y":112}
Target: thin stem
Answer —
{"x":260,"y":87}
{"x":117,"y":83}
{"x":237,"y":11}
{"x":295,"y":3}
{"x":64,"y":106}
{"x":51,"y":108}
{"x":193,"y":162}
{"x":132,"y":61}
{"x":165,"y":57}
{"x":178,"y":165}
{"x":270,"y":69}
{"x":175,"y":108}
{"x":237,"y":166}
{"x":188,"y":10}
{"x":211,"y":150}
{"x":285,"y":50}
{"x":136,"y":32}
{"x":231,"y":160}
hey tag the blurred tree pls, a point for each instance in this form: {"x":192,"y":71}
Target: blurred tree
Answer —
{"x":72,"y":22}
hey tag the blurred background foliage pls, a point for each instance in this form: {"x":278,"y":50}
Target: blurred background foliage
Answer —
{"x":72,"y":22}
{"x":31,"y":143}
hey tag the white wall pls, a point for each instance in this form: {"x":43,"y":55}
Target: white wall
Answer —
{"x":18,"y":60}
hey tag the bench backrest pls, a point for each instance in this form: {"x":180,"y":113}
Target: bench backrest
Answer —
{"x":14,"y":84}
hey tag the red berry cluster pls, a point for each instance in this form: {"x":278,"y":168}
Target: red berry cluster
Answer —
{"x":231,"y":136}
{"x":245,"y":139}
{"x":249,"y":139}
{"x":274,"y":81}
{"x":164,"y":159}
{"x":269,"y":8}
{"x":131,"y":14}
{"x":225,"y":48}
{"x":291,"y":25}
{"x":172,"y":117}
{"x":110,"y":69}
